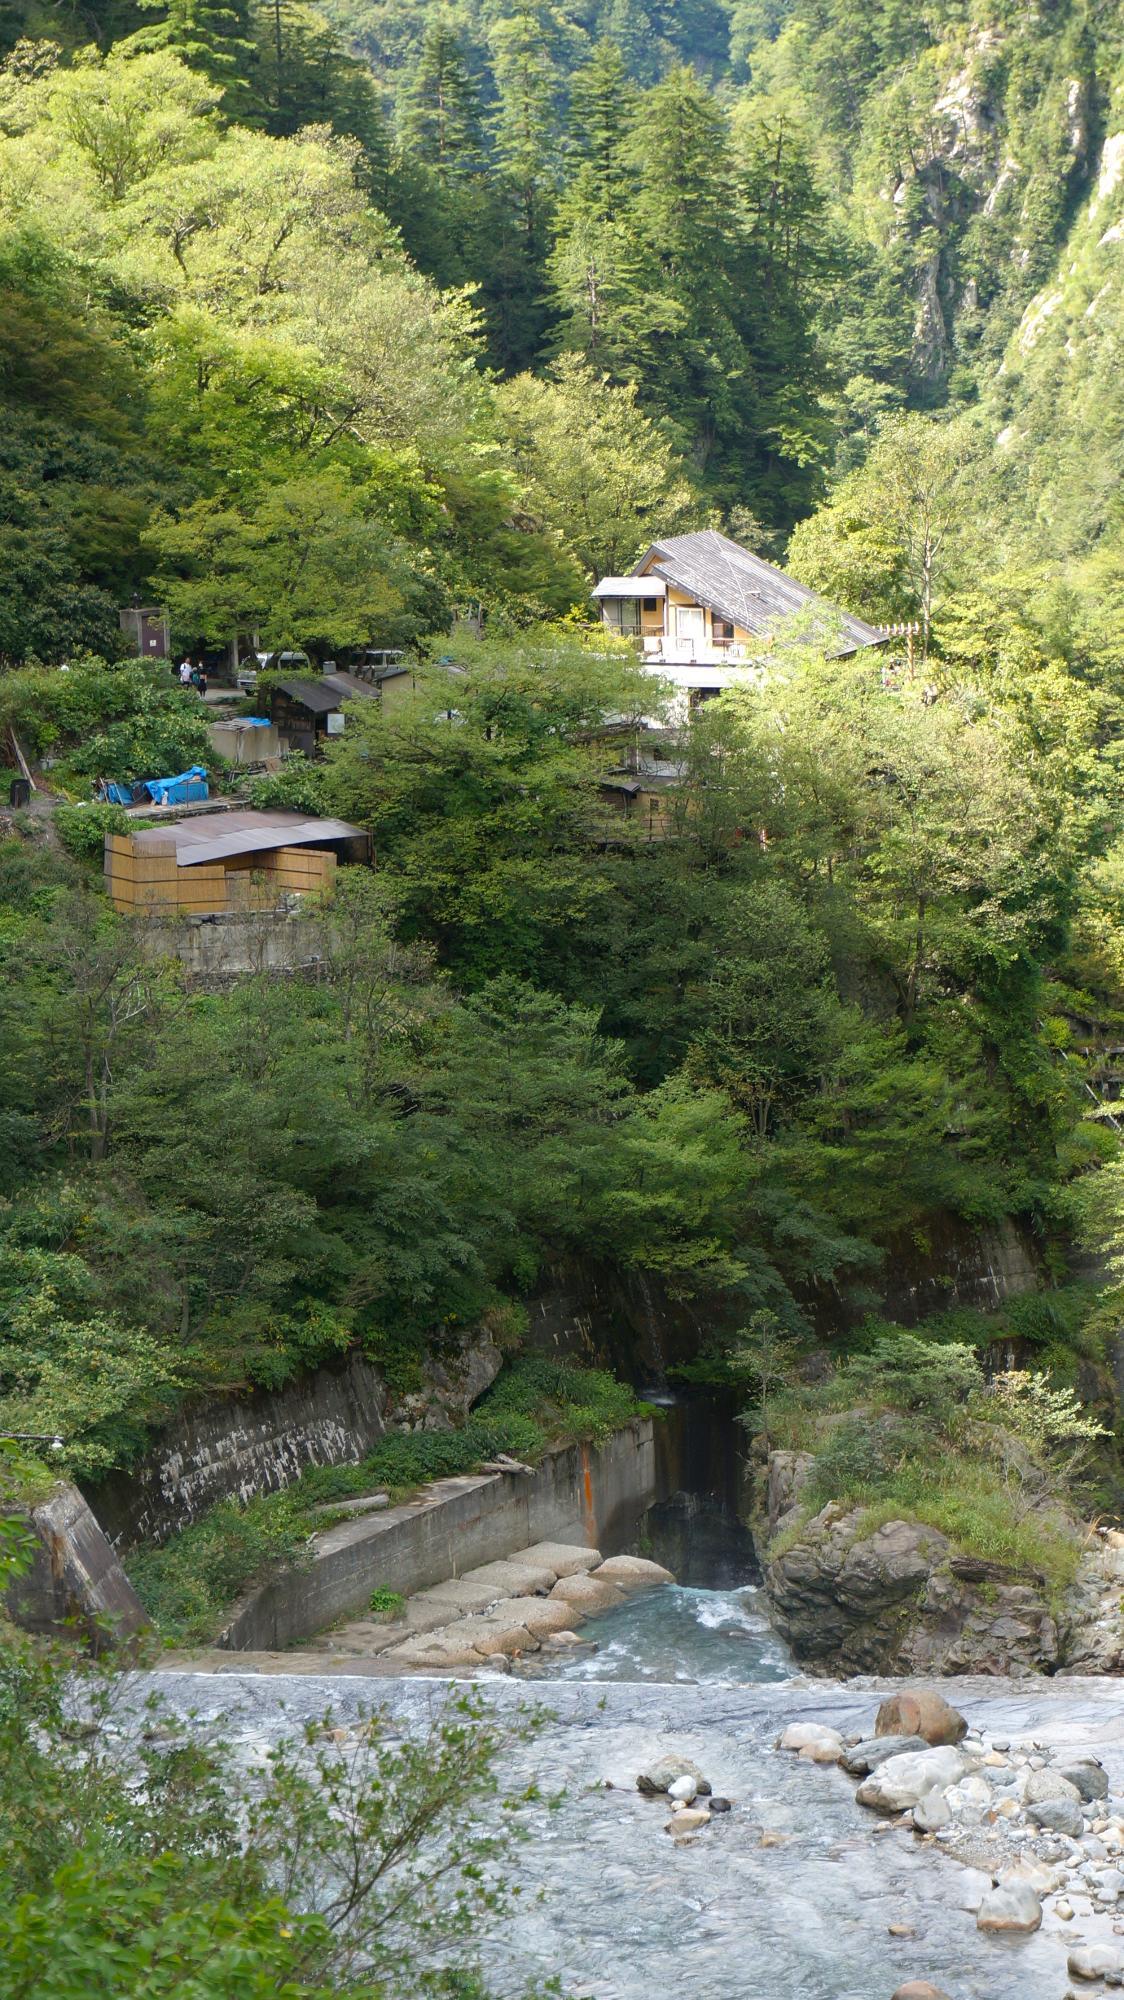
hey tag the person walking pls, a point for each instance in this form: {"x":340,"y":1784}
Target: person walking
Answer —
{"x":202,"y":681}
{"x":185,"y":673}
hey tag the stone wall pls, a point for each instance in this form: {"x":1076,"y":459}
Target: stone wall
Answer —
{"x":592,"y":1494}
{"x":235,"y":1449}
{"x":233,"y":945}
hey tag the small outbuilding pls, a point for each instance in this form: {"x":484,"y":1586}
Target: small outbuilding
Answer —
{"x":306,"y":709}
{"x":218,"y":863}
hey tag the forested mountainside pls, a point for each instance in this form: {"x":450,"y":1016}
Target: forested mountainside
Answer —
{"x":375,"y":325}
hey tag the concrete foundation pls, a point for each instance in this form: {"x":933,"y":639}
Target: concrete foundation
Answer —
{"x":589,"y":1494}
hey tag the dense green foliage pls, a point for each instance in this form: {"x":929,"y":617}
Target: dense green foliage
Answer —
{"x":330,"y":339}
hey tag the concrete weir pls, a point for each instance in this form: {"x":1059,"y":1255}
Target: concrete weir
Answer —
{"x":582,"y":1494}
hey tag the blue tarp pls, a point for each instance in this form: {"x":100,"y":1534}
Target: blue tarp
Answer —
{"x":179,"y":791}
{"x":256,"y":721}
{"x":117,"y":795}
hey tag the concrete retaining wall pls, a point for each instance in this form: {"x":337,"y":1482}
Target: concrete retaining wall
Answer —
{"x":75,"y":1580}
{"x":234,"y":1449}
{"x":593,"y":1494}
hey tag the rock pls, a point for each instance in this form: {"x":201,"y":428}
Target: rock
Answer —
{"x":540,"y":1616}
{"x":513,"y":1579}
{"x":685,"y":1788}
{"x":972,"y":1887}
{"x":688,"y":1821}
{"x":1036,"y":1875}
{"x":1048,"y":1784}
{"x":901,"y":1781}
{"x":1010,"y":1907}
{"x":632,"y":1573}
{"x":919,"y":1989}
{"x":1058,"y":1816}
{"x":805,"y":1735}
{"x":873,"y":1750}
{"x":900,"y":1930}
{"x":932,"y":1812}
{"x":848,"y":1601}
{"x":1094,"y":1961}
{"x":566,"y":1638}
{"x":820,"y":1753}
{"x":720,"y":1806}
{"x":923,"y":1713}
{"x":789,"y":1473}
{"x":559,"y":1557}
{"x":1064,"y":1910}
{"x":1087,"y":1777}
{"x":658,"y":1776}
{"x":585,"y":1594}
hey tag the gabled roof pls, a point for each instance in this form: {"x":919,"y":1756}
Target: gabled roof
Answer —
{"x":321,"y":693}
{"x":727,"y":579}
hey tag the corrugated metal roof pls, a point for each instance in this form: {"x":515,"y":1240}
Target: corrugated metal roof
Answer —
{"x":319,"y":695}
{"x":726,"y":578}
{"x":347,"y":685}
{"x":219,"y":836}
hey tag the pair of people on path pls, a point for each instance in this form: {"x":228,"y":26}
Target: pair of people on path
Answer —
{"x":195,"y":677}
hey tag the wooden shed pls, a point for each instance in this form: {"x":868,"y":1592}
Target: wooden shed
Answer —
{"x":219,"y":863}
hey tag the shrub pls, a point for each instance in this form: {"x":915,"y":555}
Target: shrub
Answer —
{"x":386,"y":1603}
{"x":187,"y":1585}
{"x":82,"y":829}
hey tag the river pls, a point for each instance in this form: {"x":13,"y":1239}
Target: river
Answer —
{"x":617,"y":1911}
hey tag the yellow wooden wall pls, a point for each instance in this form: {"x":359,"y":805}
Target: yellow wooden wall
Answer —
{"x":148,"y":879}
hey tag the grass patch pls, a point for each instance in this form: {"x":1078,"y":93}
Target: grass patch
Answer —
{"x":189,"y":1583}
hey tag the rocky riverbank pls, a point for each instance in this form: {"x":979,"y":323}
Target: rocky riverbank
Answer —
{"x":898,"y":1597}
{"x":1033,"y":1831}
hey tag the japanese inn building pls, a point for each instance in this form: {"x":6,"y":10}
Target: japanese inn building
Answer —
{"x":705,"y":613}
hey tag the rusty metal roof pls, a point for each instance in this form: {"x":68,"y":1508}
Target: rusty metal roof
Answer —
{"x":221,"y":836}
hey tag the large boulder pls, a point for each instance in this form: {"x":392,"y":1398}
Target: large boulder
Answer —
{"x":921,"y":1712}
{"x":873,"y":1750}
{"x":1048,"y":1784}
{"x":1058,"y":1816}
{"x":662,"y":1774}
{"x":889,"y":1600}
{"x":801,"y":1736}
{"x":903,"y":1781}
{"x":919,"y":1989}
{"x":1088,"y":1778}
{"x":586,"y":1594}
{"x":1013,"y":1906}
{"x":632,"y":1573}
{"x":561,"y":1557}
{"x":788,"y":1475}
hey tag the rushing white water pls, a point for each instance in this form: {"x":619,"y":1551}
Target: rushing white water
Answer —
{"x":790,"y":1896}
{"x":675,"y":1634}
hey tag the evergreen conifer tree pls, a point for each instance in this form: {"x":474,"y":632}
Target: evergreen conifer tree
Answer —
{"x":212,"y":36}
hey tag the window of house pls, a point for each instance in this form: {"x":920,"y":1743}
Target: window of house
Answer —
{"x":651,"y":604}
{"x":722,"y":628}
{"x":623,"y":614}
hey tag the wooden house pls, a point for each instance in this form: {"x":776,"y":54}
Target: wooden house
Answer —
{"x":705,"y":612}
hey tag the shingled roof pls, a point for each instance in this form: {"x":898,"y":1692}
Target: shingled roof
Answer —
{"x":718,"y":573}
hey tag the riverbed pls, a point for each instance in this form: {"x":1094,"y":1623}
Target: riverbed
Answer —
{"x":617,"y":1911}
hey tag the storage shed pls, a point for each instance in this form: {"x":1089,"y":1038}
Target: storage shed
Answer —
{"x":218,"y":863}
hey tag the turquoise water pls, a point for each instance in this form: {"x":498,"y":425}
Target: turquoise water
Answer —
{"x":675,"y":1634}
